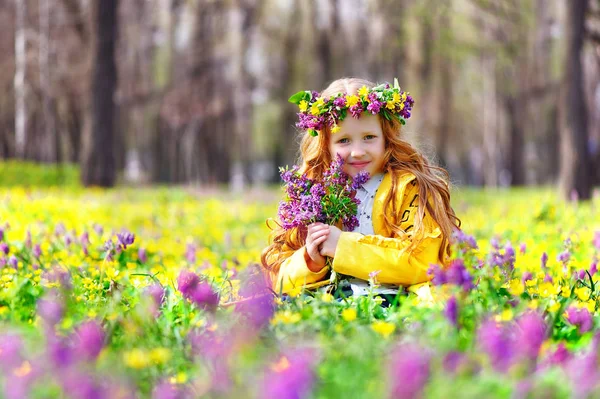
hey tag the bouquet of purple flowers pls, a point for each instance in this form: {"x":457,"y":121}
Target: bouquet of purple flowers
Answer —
{"x":331,"y":200}
{"x":328,"y":201}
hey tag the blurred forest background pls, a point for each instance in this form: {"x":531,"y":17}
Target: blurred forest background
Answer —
{"x":195,"y":91}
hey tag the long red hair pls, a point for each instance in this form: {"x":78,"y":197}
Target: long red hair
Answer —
{"x":399,"y":156}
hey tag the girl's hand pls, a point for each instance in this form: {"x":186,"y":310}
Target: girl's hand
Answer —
{"x":330,"y":244}
{"x":317,"y":234}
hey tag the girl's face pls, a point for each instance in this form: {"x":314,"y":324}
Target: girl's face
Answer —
{"x":361,"y":144}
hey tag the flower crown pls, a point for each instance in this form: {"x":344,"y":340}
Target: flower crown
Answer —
{"x":317,"y":112}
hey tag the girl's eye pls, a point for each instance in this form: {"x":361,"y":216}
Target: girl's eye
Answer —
{"x":343,"y":141}
{"x":370,"y":137}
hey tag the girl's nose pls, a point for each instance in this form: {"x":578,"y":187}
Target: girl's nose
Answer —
{"x":357,"y":152}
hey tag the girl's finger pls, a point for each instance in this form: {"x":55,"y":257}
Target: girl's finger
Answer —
{"x":316,"y":228}
{"x":319,"y":234}
{"x":317,"y":242}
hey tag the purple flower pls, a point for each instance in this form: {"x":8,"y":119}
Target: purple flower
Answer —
{"x":142,"y":255}
{"x":166,"y":390}
{"x":356,"y":110}
{"x":596,"y":240}
{"x":187,"y":282}
{"x":50,"y":309}
{"x":1,"y":234}
{"x":531,"y":332}
{"x":564,"y":256}
{"x":439,"y":277}
{"x":340,"y":102}
{"x":374,"y":107}
{"x":13,"y":261}
{"x":11,"y":346}
{"x":58,"y":275}
{"x":4,"y":248}
{"x":526,"y":277}
{"x":523,"y":248}
{"x":37,"y":251}
{"x":124,"y":239}
{"x":90,"y":340}
{"x":257,"y":305}
{"x":59,"y":351}
{"x":560,"y":356}
{"x":157,"y":293}
{"x":409,"y":371}
{"x":80,"y":385}
{"x":291,"y":377}
{"x":544,"y":260}
{"x":98,"y":229}
{"x":453,"y":360}
{"x":457,"y":274}
{"x":204,"y":296}
{"x":594,"y":268}
{"x":495,"y":340}
{"x":581,"y":318}
{"x":190,"y":252}
{"x":464,"y":240}
{"x":451,"y":311}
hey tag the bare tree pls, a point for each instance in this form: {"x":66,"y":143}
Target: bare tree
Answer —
{"x":20,"y":83}
{"x":99,"y":166}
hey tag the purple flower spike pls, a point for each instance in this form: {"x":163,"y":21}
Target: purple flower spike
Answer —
{"x":581,"y":318}
{"x":531,"y":332}
{"x":90,"y":340}
{"x":451,"y":311}
{"x":596,"y":240}
{"x":142,"y":255}
{"x":1,"y":234}
{"x":10,"y":352}
{"x":409,"y":371}
{"x":37,"y":251}
{"x":51,"y":310}
{"x":4,"y":248}
{"x":496,"y":342}
{"x":544,"y":260}
{"x":292,"y":377}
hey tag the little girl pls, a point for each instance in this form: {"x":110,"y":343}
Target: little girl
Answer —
{"x":405,"y":218}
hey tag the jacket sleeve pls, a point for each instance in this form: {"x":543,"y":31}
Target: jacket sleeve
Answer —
{"x":358,"y":255}
{"x":295,"y":274}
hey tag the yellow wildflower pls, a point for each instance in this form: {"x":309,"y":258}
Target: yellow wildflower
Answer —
{"x":303,"y":105}
{"x":383,"y":328}
{"x":396,"y":98}
{"x":160,"y":355}
{"x":335,"y":129}
{"x":554,"y":306}
{"x":286,"y":317}
{"x":516,"y":287}
{"x":533,"y":304}
{"x":136,"y":359}
{"x":583,"y":293}
{"x":180,"y":378}
{"x":506,"y":315}
{"x":320,"y":102}
{"x":351,"y":101}
{"x":349,"y":314}
{"x":363,"y":92}
{"x":314,"y":109}
{"x":327,"y":297}
{"x":390,"y":105}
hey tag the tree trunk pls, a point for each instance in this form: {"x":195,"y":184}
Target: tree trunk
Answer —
{"x":574,"y":166}
{"x":99,"y":167}
{"x":50,"y":149}
{"x":21,"y":124}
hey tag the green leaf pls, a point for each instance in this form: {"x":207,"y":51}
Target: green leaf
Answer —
{"x":312,"y":132}
{"x":298,"y":97}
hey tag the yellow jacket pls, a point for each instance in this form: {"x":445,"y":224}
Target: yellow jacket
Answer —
{"x":358,"y":255}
